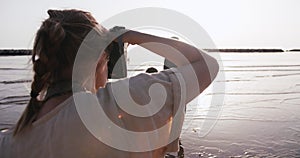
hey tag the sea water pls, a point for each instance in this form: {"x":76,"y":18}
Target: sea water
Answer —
{"x":259,"y":116}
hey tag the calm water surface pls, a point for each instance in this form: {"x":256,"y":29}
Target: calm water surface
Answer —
{"x":260,"y":115}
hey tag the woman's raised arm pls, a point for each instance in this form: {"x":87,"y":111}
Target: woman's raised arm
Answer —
{"x":196,"y":67}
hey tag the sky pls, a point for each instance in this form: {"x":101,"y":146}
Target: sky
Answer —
{"x":229,"y":23}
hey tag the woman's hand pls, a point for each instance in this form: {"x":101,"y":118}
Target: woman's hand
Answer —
{"x":119,"y":33}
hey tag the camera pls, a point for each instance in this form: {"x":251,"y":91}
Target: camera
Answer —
{"x":117,"y":67}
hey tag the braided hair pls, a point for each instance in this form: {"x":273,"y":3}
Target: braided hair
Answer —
{"x":56,"y":44}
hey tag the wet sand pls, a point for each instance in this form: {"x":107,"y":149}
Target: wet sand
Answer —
{"x":260,"y":116}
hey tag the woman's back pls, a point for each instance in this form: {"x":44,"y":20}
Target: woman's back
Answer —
{"x":65,"y":132}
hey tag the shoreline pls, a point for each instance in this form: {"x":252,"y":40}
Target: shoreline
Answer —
{"x":18,"y":52}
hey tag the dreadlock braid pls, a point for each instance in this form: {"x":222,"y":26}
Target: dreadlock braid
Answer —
{"x":55,"y":47}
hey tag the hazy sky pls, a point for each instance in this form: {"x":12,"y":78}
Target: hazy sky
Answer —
{"x":230,"y":23}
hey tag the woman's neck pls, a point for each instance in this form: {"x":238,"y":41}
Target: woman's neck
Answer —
{"x":50,"y":104}
{"x":56,"y":94}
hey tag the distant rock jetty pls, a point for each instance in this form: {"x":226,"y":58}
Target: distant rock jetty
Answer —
{"x":245,"y":50}
{"x":14,"y":52}
{"x":294,"y":50}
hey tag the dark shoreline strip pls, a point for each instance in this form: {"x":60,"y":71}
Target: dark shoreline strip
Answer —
{"x":15,"y":81}
{"x":14,"y":52}
{"x":245,"y":50}
{"x":249,"y":93}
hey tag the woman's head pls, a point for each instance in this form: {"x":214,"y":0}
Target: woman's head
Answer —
{"x":55,"y":48}
{"x":57,"y":42}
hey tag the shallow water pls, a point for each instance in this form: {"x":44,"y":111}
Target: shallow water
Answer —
{"x":260,"y":115}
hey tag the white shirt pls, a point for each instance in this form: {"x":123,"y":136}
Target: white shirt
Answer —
{"x":63,"y":132}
